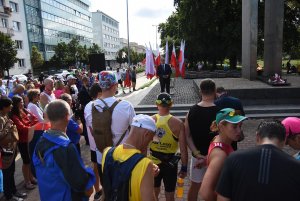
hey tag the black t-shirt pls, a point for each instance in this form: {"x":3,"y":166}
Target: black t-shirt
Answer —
{"x":264,"y":173}
{"x":200,"y":119}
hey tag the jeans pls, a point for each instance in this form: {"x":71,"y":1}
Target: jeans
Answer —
{"x":9,"y":181}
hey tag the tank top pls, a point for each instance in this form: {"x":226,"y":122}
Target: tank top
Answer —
{"x":167,"y":142}
{"x":50,"y":98}
{"x":138,"y":172}
{"x":225,"y":147}
{"x":199,"y":120}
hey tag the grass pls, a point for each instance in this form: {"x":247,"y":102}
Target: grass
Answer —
{"x":148,"y":83}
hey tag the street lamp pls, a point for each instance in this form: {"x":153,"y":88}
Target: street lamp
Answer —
{"x":128,"y":56}
{"x":155,"y":33}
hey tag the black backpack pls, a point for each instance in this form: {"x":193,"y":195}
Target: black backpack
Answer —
{"x":116,"y":176}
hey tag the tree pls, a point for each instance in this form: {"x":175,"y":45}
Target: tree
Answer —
{"x":123,"y":58}
{"x":60,"y":58}
{"x":36,"y":59}
{"x":95,"y":49}
{"x":72,"y":53}
{"x":8,"y":53}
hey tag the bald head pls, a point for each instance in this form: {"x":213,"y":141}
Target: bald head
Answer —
{"x":58,"y":110}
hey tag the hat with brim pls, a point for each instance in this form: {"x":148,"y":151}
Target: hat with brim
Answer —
{"x":229,"y":115}
{"x":144,"y":121}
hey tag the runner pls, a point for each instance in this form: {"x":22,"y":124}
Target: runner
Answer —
{"x":170,"y":133}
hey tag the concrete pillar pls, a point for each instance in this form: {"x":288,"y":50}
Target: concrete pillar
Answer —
{"x":274,"y":15}
{"x":249,"y":38}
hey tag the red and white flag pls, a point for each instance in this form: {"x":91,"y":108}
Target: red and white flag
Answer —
{"x":173,"y":61}
{"x":150,"y":68}
{"x":167,"y":53}
{"x":157,"y":59}
{"x":181,"y":59}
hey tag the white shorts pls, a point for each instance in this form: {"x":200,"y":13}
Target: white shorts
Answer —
{"x":196,"y":174}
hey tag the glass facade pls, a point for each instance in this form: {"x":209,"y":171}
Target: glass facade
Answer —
{"x":52,"y":21}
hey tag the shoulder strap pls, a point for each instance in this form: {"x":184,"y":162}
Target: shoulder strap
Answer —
{"x":103,"y":102}
{"x":122,"y":137}
{"x":112,"y":107}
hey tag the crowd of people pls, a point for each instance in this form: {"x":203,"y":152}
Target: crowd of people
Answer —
{"x":133,"y":154}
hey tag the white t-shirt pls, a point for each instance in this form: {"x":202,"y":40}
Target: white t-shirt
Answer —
{"x":88,"y":122}
{"x":36,"y":110}
{"x":118,"y":75}
{"x":121,"y":118}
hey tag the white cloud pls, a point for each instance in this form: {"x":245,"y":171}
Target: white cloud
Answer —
{"x":142,"y":15}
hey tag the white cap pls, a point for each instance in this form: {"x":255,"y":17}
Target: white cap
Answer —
{"x":71,"y":77}
{"x":144,"y":121}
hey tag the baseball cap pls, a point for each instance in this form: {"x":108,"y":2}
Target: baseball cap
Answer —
{"x":107,"y":79}
{"x":144,"y":121}
{"x":71,"y":77}
{"x":229,"y":115}
{"x":164,"y":99}
{"x":292,"y":126}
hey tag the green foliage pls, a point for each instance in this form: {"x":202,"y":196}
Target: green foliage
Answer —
{"x":134,"y":56}
{"x":36,"y":59}
{"x":213,"y":30}
{"x":8,"y":53}
{"x":95,"y":49}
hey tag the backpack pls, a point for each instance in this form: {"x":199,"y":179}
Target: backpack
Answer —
{"x":101,"y":123}
{"x":117,"y":176}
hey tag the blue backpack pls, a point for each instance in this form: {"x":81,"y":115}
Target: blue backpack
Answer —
{"x":116,"y":176}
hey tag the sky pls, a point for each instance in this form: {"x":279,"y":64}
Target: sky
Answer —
{"x":142,"y":15}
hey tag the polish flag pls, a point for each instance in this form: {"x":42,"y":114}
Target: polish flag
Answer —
{"x":150,"y":68}
{"x":157,"y":59}
{"x":174,"y":62}
{"x":181,"y":59}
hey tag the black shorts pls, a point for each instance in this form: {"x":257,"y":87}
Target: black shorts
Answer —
{"x":120,"y":81}
{"x":133,"y":80}
{"x":93,"y":156}
{"x":168,"y":175}
{"x":24,"y":151}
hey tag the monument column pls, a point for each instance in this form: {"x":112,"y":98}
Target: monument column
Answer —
{"x":249,"y":38}
{"x":274,"y":15}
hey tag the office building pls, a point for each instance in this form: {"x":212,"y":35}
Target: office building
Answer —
{"x":106,"y":35}
{"x":133,"y":45}
{"x":52,"y":21}
{"x":13,"y":23}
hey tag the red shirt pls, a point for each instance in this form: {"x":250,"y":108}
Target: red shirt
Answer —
{"x":26,"y":121}
{"x":225,"y":147}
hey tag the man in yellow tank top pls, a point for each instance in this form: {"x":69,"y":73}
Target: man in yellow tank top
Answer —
{"x":141,"y":187}
{"x":169,"y":134}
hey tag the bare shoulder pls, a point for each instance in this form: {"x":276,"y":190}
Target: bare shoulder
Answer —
{"x":175,"y":122}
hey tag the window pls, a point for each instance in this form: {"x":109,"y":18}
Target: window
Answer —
{"x":21,"y":62}
{"x":16,"y":26}
{"x":14,"y":6}
{"x":4,"y":23}
{"x":19,"y":44}
{"x":1,"y":3}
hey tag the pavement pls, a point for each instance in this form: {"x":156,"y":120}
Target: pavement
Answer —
{"x":182,"y":93}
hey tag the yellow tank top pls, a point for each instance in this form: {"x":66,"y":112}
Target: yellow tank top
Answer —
{"x":138,"y":172}
{"x":167,"y":142}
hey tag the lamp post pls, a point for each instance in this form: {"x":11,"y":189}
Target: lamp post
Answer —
{"x":155,"y":34}
{"x":128,"y":52}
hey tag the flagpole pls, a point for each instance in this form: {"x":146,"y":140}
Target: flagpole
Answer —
{"x":128,"y":56}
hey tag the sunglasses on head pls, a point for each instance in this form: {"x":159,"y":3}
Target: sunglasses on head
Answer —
{"x":159,"y":102}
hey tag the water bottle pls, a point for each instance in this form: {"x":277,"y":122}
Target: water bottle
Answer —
{"x":179,"y":189}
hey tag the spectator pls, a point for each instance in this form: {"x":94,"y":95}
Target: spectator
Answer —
{"x":119,"y":78}
{"x":59,"y":88}
{"x":34,"y":107}
{"x":8,"y":128}
{"x":170,"y":137}
{"x":91,"y":78}
{"x":228,"y":124}
{"x":141,"y":173}
{"x":47,"y":95}
{"x":2,"y":88}
{"x":60,"y":171}
{"x":18,"y":90}
{"x":292,"y":130}
{"x":225,"y":101}
{"x":127,"y":81}
{"x":133,"y":78}
{"x":74,"y":128}
{"x":95,"y":92}
{"x":261,"y":173}
{"x":24,"y":121}
{"x":198,"y":135}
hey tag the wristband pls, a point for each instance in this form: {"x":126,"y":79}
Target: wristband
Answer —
{"x":183,"y":168}
{"x":195,"y":153}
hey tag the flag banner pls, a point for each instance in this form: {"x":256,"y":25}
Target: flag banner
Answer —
{"x":167,"y":53}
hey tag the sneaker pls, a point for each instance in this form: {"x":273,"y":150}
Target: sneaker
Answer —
{"x":14,"y":198}
{"x":29,"y":186}
{"x":97,"y":196}
{"x":20,"y":194}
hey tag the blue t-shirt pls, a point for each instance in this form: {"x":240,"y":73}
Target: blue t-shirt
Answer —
{"x":71,"y":131}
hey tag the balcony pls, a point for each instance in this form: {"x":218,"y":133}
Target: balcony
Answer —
{"x":5,"y":11}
